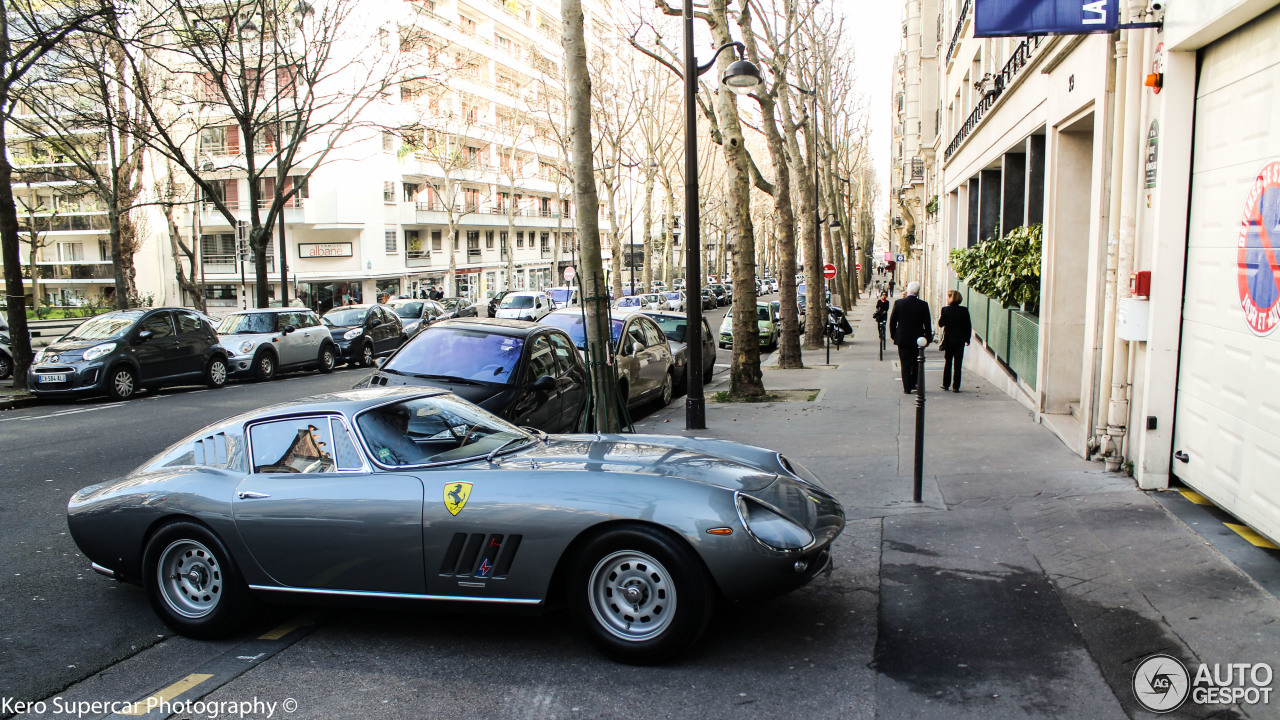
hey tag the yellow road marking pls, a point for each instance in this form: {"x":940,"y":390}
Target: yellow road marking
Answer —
{"x":1196,"y":497}
{"x":1252,"y":536}
{"x":281,"y":631}
{"x":145,"y":705}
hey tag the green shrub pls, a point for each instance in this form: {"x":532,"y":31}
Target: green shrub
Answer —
{"x":1006,"y":269}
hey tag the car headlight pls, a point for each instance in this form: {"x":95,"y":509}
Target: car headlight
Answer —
{"x":96,"y":351}
{"x":39,"y":358}
{"x":352,"y":334}
{"x":770,"y":528}
{"x":246,"y":347}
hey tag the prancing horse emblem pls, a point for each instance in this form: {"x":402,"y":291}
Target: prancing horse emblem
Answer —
{"x":455,"y":496}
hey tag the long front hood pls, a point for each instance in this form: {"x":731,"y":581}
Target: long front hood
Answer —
{"x":652,"y":455}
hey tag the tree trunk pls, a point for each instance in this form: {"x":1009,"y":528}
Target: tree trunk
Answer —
{"x":595,"y":299}
{"x":647,"y":239}
{"x":615,"y":242}
{"x":179,"y":250}
{"x":20,"y":339}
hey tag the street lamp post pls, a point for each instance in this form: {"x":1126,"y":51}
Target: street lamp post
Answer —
{"x":742,"y":76}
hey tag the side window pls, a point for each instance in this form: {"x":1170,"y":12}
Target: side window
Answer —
{"x":159,"y":325}
{"x":296,"y":445}
{"x":636,"y":335}
{"x":348,"y":457}
{"x":564,"y":352}
{"x":653,"y":336}
{"x":541,"y":361}
{"x":706,"y":330}
{"x":188,"y":322}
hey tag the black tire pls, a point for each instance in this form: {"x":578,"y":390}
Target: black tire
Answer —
{"x":215,"y":376}
{"x":667,"y":392}
{"x":366,"y":355}
{"x":328,"y":359}
{"x":122,"y":383}
{"x":709,"y":374}
{"x":671,"y":597}
{"x":623,"y":398}
{"x":6,"y":366}
{"x":192,"y":583}
{"x":264,"y":366}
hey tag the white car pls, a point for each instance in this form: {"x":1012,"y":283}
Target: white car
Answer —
{"x":673,"y":301}
{"x":564,"y":297}
{"x":658,"y":286}
{"x":653,"y":301}
{"x":525,"y":305}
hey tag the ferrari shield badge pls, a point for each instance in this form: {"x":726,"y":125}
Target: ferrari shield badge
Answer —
{"x":455,"y":496}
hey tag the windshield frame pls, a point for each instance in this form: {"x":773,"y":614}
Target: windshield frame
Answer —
{"x":371,"y":456}
{"x":327,"y":318}
{"x":275,"y":319}
{"x":432,"y":333}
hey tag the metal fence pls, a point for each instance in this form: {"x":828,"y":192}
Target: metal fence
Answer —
{"x":1011,"y":334}
{"x":1024,"y":345}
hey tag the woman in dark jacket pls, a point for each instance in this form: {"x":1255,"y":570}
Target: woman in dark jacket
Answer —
{"x":956,"y":331}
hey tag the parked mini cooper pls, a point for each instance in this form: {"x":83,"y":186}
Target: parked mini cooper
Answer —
{"x":266,"y":341}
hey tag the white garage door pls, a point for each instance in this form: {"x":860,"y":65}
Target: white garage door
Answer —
{"x":1227,"y":426}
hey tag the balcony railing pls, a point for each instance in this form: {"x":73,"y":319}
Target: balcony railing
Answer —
{"x":1001,"y":81}
{"x":955,"y":35}
{"x":49,"y":173}
{"x":68,"y":223}
{"x":230,"y":264}
{"x":71,"y":271}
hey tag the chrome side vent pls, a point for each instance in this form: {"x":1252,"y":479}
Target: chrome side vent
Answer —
{"x":479,"y":555}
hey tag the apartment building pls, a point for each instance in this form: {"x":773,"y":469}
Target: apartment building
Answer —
{"x":1149,"y":156}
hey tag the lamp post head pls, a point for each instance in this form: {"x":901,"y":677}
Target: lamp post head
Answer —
{"x":742,"y":77}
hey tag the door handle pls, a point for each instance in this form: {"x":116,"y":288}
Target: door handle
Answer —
{"x":1182,"y":457}
{"x":246,"y":495}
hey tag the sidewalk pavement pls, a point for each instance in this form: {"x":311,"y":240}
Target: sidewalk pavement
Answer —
{"x":1029,"y":583}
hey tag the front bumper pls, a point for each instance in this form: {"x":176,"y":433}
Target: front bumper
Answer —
{"x":81,"y":378}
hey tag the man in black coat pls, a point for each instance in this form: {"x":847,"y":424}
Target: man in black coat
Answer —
{"x":909,"y":321}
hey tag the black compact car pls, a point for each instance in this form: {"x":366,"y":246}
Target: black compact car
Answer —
{"x":458,"y":307}
{"x":6,"y":356}
{"x":721,"y":293}
{"x":495,"y":301}
{"x":709,"y":301}
{"x":523,"y":372}
{"x":675,"y":327}
{"x":417,"y":314}
{"x":119,"y":352}
{"x":363,"y":332}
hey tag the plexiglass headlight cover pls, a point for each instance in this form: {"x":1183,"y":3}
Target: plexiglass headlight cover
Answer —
{"x":98,"y":351}
{"x":352,"y":334}
{"x":770,"y":528}
{"x":246,"y":346}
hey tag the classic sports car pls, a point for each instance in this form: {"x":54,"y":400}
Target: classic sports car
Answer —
{"x":411,"y":494}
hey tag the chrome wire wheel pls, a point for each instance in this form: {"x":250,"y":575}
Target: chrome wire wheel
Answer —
{"x":189,"y":578}
{"x":632,"y":595}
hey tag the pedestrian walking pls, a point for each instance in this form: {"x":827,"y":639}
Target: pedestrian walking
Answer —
{"x":956,"y":330}
{"x":891,"y":286}
{"x":910,"y":321}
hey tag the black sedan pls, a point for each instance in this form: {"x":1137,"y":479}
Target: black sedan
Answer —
{"x":458,"y":307}
{"x":675,"y":327}
{"x":523,"y":372}
{"x":495,"y":301}
{"x":363,"y":332}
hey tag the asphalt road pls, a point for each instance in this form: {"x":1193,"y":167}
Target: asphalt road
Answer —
{"x":59,"y":621}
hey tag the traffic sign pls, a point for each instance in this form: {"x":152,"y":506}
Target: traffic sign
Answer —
{"x":858,"y":266}
{"x":569,"y":274}
{"x":900,"y":258}
{"x":828,"y":271}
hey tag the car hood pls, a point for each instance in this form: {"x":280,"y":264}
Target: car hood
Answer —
{"x":75,"y":346}
{"x":646,"y":455}
{"x":483,"y":395}
{"x":339,"y":329}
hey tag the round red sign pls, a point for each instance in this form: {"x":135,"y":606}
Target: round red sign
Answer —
{"x":858,"y":266}
{"x":1258,"y":270}
{"x":828,"y":271}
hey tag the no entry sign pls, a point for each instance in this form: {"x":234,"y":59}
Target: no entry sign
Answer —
{"x":828,"y":271}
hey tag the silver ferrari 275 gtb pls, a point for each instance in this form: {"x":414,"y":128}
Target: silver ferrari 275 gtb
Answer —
{"x":412,"y":494}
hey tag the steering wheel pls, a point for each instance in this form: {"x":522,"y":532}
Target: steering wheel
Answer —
{"x":467,"y":437}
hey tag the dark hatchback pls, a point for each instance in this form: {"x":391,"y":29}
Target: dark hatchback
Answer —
{"x":363,"y":332}
{"x":675,"y":326}
{"x":523,"y":372}
{"x":120,"y":352}
{"x":458,"y":307}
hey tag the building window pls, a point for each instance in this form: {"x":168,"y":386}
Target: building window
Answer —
{"x":413,"y":244}
{"x":388,"y":192}
{"x":391,"y":241}
{"x":435,"y":240}
{"x":104,"y":249}
{"x":388,"y":141}
{"x":488,"y":240}
{"x":546,"y":242}
{"x":520,"y":239}
{"x":410,"y":192}
{"x":70,"y":252}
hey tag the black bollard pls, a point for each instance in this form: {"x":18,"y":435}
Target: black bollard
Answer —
{"x":917,"y":489}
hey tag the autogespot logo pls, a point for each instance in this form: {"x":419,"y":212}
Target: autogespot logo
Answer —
{"x":1161,"y":683}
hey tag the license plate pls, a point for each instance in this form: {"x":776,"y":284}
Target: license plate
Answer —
{"x":51,"y":377}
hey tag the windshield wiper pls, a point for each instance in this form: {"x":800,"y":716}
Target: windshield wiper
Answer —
{"x":447,"y":378}
{"x":489,"y":457}
{"x":541,"y":434}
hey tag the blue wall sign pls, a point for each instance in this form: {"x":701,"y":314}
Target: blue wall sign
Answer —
{"x":1015,"y":18}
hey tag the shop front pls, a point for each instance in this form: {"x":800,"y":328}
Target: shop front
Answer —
{"x":326,"y":295}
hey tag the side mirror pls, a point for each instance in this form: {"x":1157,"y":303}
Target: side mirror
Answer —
{"x":546,"y":382}
{"x":143,"y":336}
{"x":288,"y":329}
{"x":636,"y":348}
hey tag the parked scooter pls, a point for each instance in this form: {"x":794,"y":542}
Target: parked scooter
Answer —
{"x":837,"y":325}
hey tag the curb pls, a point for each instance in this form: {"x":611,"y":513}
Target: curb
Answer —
{"x":18,"y":401}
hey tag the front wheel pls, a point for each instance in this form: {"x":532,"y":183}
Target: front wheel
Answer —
{"x":328,"y":359}
{"x":668,"y":389}
{"x":264,"y":367}
{"x":366,"y":355}
{"x":191,"y":582}
{"x":641,"y":596}
{"x":6,"y":366}
{"x":215,"y":376}
{"x":122,"y":384}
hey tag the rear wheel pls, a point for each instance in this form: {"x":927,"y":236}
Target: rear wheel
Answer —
{"x":327,"y":359}
{"x":6,"y":366}
{"x":366,"y":355}
{"x":191,"y":582}
{"x":215,"y":376}
{"x":641,"y":596}
{"x":668,"y":388}
{"x":122,"y":384}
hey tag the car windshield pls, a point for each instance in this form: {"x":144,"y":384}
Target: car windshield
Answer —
{"x":456,"y":352}
{"x":409,"y":309}
{"x":762,"y":313}
{"x":571,"y":323}
{"x":672,"y":295}
{"x":105,"y":327}
{"x":652,"y":298}
{"x":672,"y":327}
{"x":245,"y":323}
{"x":560,"y":295}
{"x":517,"y":302}
{"x":347,"y":316}
{"x":629,"y":302}
{"x":436,"y":429}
